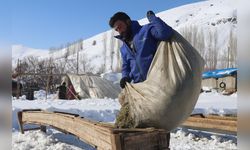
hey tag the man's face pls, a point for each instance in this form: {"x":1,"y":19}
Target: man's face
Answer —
{"x":121,"y":27}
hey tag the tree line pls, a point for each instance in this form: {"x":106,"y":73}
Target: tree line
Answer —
{"x":207,"y":44}
{"x":74,"y":58}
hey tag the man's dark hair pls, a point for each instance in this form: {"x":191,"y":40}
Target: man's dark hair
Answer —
{"x":118,"y":16}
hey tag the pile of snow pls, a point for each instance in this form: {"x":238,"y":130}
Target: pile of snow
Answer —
{"x":113,"y":77}
{"x":183,"y":139}
{"x":216,"y":103}
{"x":52,"y":140}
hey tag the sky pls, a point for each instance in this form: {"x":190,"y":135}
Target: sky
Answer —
{"x":44,"y":24}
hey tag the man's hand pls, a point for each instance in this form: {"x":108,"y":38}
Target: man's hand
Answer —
{"x":150,"y":13}
{"x":123,"y":82}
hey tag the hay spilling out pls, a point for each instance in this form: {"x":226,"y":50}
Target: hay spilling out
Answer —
{"x":124,"y":119}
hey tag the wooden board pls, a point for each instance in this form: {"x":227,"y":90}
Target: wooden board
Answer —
{"x":103,"y":136}
{"x":213,"y":123}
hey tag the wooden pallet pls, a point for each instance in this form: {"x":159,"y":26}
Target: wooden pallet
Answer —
{"x":103,"y":136}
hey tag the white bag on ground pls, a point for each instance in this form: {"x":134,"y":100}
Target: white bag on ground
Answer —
{"x":168,"y":96}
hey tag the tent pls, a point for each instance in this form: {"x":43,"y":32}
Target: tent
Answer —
{"x":90,"y":86}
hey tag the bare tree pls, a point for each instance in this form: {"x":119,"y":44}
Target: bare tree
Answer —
{"x":211,"y":55}
{"x":118,"y":55}
{"x":199,"y":43}
{"x":215,"y":49}
{"x":232,"y":50}
{"x":35,"y":72}
{"x":112,"y":52}
{"x":104,"y":50}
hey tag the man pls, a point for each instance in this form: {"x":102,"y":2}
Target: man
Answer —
{"x":139,"y":44}
{"x":62,"y":91}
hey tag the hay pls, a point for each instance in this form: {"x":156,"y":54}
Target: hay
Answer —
{"x":124,"y":119}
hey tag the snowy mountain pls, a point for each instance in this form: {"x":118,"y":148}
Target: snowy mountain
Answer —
{"x":210,"y":26}
{"x":20,"y":52}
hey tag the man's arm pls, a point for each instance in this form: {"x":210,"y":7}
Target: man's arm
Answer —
{"x":160,"y":30}
{"x":125,"y":66}
{"x":125,"y":71}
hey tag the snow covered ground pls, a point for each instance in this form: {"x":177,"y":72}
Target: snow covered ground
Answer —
{"x":105,"y":110}
{"x":202,"y":15}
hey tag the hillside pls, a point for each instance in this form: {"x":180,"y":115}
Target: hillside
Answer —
{"x":210,"y":26}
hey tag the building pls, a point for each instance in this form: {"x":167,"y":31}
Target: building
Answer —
{"x":221,"y":80}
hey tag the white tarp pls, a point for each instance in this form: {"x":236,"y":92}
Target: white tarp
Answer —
{"x":92,"y":86}
{"x":171,"y":89}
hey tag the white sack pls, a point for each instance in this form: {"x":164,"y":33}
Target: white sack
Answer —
{"x":171,"y":90}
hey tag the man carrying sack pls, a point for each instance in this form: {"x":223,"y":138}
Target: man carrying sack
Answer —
{"x":161,"y":74}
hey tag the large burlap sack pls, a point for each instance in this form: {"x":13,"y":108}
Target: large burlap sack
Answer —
{"x":168,"y":95}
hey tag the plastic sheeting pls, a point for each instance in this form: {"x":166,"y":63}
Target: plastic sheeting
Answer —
{"x":91,"y":86}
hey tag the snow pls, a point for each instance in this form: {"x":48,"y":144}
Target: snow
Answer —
{"x":113,"y":77}
{"x":103,"y":50}
{"x":105,"y":110}
{"x":20,"y":52}
{"x":216,"y":103}
{"x":49,"y":141}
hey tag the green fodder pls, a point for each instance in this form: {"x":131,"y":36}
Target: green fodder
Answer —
{"x":124,"y":119}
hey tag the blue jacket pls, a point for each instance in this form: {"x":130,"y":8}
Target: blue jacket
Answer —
{"x":135,"y":65}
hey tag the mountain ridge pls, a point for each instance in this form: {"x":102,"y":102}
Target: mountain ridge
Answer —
{"x":210,"y":26}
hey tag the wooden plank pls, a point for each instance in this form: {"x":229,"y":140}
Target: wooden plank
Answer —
{"x":222,"y":117}
{"x":214,"y":117}
{"x":69,"y":123}
{"x":127,"y":130}
{"x":146,"y":141}
{"x":116,"y":142}
{"x":164,"y":140}
{"x":212,"y":123}
{"x":103,"y":136}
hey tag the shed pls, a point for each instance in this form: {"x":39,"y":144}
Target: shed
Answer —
{"x":221,"y":79}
